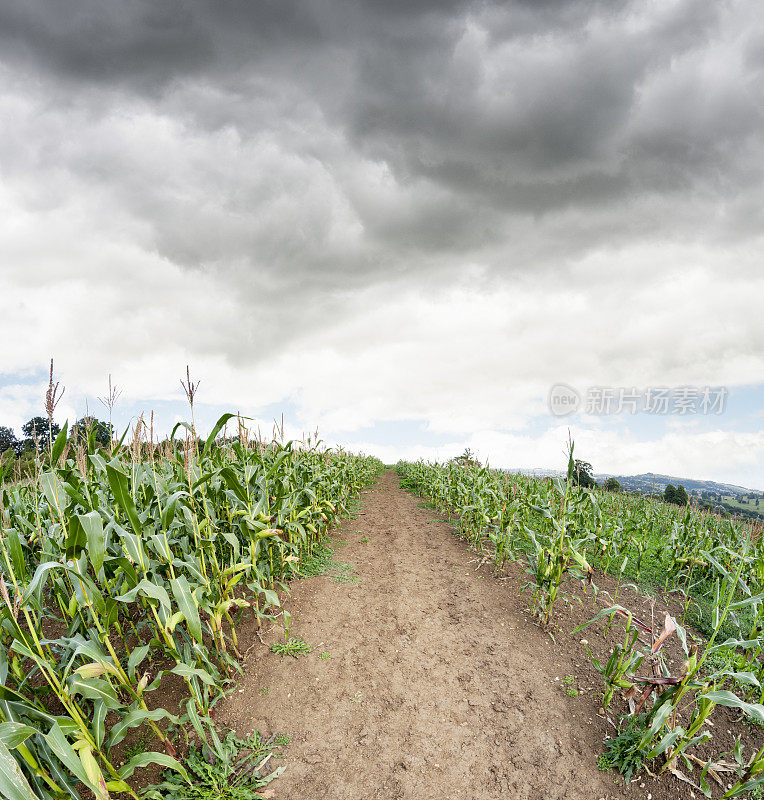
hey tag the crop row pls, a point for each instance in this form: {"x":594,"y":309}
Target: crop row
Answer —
{"x":561,"y":532}
{"x":124,"y":569}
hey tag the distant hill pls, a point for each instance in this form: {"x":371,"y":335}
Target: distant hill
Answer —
{"x":650,"y":482}
{"x":721,"y":497}
{"x":653,"y":481}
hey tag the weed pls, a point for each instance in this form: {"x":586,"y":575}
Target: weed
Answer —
{"x":321,"y":562}
{"x":291,"y":647}
{"x":227,"y":769}
{"x":623,"y":752}
{"x":365,"y":539}
{"x":141,"y":745}
{"x":283,"y":739}
{"x":325,"y":656}
{"x":265,"y":691}
{"x":570,"y":688}
{"x":356,"y":698}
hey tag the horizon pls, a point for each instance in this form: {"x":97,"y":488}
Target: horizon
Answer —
{"x":266,"y":423}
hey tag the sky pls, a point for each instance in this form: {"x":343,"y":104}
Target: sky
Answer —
{"x":401,"y":223}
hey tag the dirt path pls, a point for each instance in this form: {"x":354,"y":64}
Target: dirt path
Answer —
{"x":437,"y":684}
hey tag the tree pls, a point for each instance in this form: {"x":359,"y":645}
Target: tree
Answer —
{"x":81,"y":429}
{"x":612,"y":485}
{"x":582,"y":474}
{"x":676,"y":495}
{"x":38,"y":428}
{"x":8,"y":440}
{"x":467,"y":458}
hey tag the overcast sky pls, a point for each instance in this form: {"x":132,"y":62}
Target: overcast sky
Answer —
{"x":401,"y":222}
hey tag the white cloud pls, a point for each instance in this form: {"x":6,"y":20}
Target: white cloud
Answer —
{"x":436,"y":230}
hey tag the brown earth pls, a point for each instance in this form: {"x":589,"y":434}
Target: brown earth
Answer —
{"x":438,"y":683}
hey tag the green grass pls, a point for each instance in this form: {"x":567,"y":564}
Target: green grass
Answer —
{"x":141,"y":745}
{"x":321,"y":562}
{"x":291,"y":647}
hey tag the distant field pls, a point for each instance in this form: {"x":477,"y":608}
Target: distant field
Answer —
{"x":733,"y":502}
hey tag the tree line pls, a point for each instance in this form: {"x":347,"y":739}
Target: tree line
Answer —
{"x":38,"y":433}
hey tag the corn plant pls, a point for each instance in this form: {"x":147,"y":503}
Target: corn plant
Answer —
{"x":119,"y":566}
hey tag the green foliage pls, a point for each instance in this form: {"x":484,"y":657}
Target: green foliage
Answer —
{"x":467,"y":458}
{"x":582,"y":474}
{"x":39,"y":430}
{"x":612,"y":485}
{"x":291,"y":647}
{"x":143,"y":563}
{"x":561,"y":531}
{"x":85,"y":427}
{"x":320,"y":561}
{"x":569,"y":682}
{"x":624,"y":751}
{"x":8,"y":440}
{"x":226,"y":768}
{"x":676,"y":495}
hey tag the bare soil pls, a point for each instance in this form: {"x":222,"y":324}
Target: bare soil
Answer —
{"x":439,"y":683}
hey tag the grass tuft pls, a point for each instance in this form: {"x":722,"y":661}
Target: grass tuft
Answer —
{"x":291,"y":647}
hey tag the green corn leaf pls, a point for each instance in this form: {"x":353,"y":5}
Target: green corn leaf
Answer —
{"x":747,"y":678}
{"x":144,"y":759}
{"x":195,"y":719}
{"x":98,"y":724}
{"x":12,"y":734}
{"x":188,"y":605}
{"x":148,"y":589}
{"x":135,"y":659}
{"x":180,"y":425}
{"x":116,"y":447}
{"x":193,"y":672}
{"x":749,"y":601}
{"x":125,"y":568}
{"x":95,"y":689}
{"x":17,"y":555}
{"x":92,"y":525}
{"x":232,"y":482}
{"x":13,"y":784}
{"x":754,"y":711}
{"x":93,"y":771}
{"x":59,"y":444}
{"x":98,"y":461}
{"x":60,"y":746}
{"x":76,"y":540}
{"x":219,"y":425}
{"x":120,"y":487}
{"x":168,"y":513}
{"x":54,"y":492}
{"x":133,"y":719}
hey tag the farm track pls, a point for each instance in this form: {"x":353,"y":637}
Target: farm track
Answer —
{"x":438,"y":684}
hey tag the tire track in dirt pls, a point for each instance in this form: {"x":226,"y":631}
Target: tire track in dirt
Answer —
{"x":438,"y":685}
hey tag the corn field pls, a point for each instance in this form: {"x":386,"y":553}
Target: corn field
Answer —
{"x":561,"y":533}
{"x":126,"y":568}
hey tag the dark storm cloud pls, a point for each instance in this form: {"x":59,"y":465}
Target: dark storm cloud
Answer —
{"x":322,"y":143}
